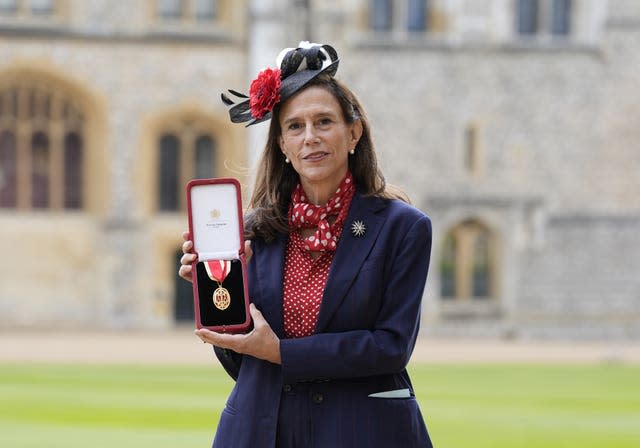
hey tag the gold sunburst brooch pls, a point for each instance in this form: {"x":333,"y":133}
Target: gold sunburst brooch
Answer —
{"x":358,"y":228}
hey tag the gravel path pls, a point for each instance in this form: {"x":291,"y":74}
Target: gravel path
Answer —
{"x":181,"y":346}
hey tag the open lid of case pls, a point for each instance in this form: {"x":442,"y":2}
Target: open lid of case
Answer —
{"x":215,"y":218}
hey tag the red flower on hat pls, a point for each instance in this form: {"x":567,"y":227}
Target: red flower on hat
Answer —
{"x":264,"y":92}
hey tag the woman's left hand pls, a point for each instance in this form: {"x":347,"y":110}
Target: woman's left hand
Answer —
{"x":261,"y":342}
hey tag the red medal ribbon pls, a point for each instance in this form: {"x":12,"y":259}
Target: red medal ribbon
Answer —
{"x":218,"y":269}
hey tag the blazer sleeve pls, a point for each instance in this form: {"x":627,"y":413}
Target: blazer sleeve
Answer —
{"x":230,"y":361}
{"x":387,"y":347}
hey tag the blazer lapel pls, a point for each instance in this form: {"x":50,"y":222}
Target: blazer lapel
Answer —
{"x":351,"y":253}
{"x":269,"y":269}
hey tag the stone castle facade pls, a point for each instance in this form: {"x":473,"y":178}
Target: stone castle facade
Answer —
{"x":512,"y":123}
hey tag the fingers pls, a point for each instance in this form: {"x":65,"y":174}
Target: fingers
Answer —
{"x":258,"y":319}
{"x":185,"y":268}
{"x":188,"y":258}
{"x":185,"y":272}
{"x":234,"y":342}
{"x":202,"y":335}
{"x":237,"y":342}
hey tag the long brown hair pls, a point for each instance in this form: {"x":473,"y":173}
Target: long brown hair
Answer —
{"x":275,"y":179}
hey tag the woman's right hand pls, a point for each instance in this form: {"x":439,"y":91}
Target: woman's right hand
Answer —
{"x":188,"y":257}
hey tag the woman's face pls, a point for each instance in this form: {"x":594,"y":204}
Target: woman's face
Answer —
{"x":316,"y":138}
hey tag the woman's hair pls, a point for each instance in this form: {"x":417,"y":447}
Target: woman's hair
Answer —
{"x":267,"y":214}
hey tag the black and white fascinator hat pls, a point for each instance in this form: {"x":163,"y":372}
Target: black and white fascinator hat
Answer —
{"x":296,"y":67}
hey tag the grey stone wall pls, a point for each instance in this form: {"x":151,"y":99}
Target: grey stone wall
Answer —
{"x":584,"y":281}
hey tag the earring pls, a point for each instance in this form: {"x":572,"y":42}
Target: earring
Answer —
{"x":353,"y":151}
{"x":286,"y":160}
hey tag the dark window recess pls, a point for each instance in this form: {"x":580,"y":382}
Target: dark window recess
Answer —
{"x":527,"y":16}
{"x":169,"y":173}
{"x":72,"y":171}
{"x":381,"y":15}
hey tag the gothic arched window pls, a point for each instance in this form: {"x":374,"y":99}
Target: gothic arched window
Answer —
{"x":41,"y":147}
{"x":184,"y":153}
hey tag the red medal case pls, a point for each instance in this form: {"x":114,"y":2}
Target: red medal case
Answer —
{"x":217,"y":231}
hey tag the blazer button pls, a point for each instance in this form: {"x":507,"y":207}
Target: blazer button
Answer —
{"x":317,"y":398}
{"x":287,"y":388}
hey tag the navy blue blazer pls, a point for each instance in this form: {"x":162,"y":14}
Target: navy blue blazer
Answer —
{"x":366,"y":332}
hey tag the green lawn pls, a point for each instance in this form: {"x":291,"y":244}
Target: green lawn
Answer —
{"x":471,"y":406}
{"x":507,"y":406}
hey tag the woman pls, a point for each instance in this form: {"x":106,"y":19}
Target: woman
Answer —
{"x":337,"y":272}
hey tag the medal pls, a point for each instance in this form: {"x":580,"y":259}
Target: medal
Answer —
{"x":218,"y":271}
{"x":221,"y":298}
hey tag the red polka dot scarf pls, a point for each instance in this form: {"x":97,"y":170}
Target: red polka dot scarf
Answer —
{"x":304,"y":215}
